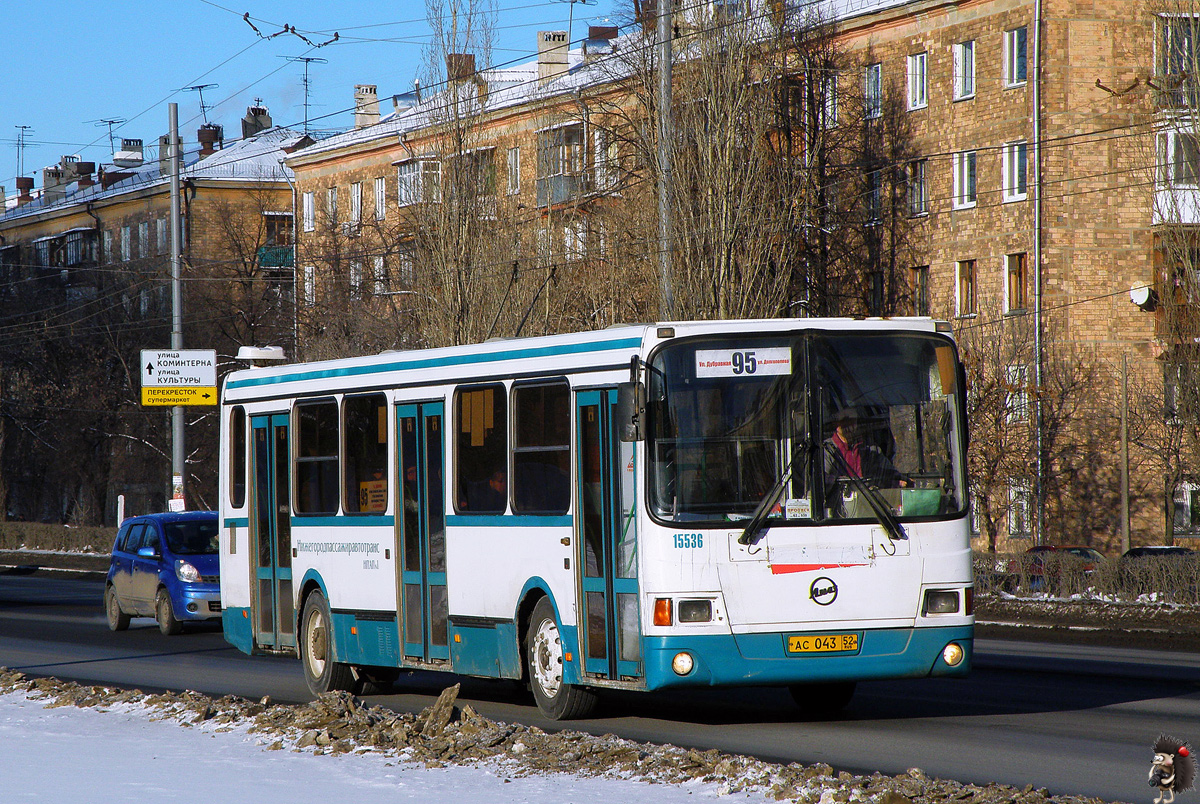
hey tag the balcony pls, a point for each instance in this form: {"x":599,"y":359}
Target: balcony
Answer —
{"x":276,"y":257}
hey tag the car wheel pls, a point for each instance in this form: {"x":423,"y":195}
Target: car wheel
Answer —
{"x":321,"y":672}
{"x":164,"y":613}
{"x":118,"y":620}
{"x":823,"y":700}
{"x":556,"y":699}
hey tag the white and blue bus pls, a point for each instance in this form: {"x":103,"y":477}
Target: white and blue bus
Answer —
{"x":718,"y":503}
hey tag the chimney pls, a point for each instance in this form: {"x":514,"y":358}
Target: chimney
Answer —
{"x":3,"y":199}
{"x":257,"y":119}
{"x":210,"y":136}
{"x":84,"y":171}
{"x":599,"y":41}
{"x":460,"y":66}
{"x":552,"y":55}
{"x":110,"y":177}
{"x":54,"y":184}
{"x":404,"y":102}
{"x":164,"y":153}
{"x":24,"y":186}
{"x":366,"y":105}
{"x":130,"y":154}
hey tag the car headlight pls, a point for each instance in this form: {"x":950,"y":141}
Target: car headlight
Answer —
{"x":186,"y":572}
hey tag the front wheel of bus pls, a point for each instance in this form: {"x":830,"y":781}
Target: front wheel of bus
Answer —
{"x":556,"y":699}
{"x":321,"y":672}
{"x":819,"y":701}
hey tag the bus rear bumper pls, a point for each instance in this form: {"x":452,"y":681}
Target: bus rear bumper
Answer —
{"x":764,"y":660}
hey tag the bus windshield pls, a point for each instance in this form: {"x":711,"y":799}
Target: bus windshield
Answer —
{"x":843,"y":416}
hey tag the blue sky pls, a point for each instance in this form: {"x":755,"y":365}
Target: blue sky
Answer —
{"x":71,"y":63}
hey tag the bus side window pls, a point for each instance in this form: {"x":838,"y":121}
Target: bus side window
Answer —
{"x":317,"y":458}
{"x":237,"y":456}
{"x":481,"y":465}
{"x":364,"y":428}
{"x":541,"y":449}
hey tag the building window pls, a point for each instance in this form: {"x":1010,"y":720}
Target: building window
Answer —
{"x":605,"y":160}
{"x":310,"y":284}
{"x":919,"y":279}
{"x":1016,"y":393}
{"x":308,"y":211}
{"x":965,"y":287}
{"x":1015,"y":271}
{"x":874,"y":196}
{"x":1014,"y":168}
{"x":356,"y":204}
{"x":356,"y":279}
{"x":1180,"y":159}
{"x":481,"y":465}
{"x":918,"y":86}
{"x":917,"y":190}
{"x":126,"y":244}
{"x":1015,"y":70}
{"x":965,"y":195}
{"x":406,"y":266}
{"x":380,"y":197}
{"x":144,"y":239}
{"x":1020,"y":509}
{"x":829,"y":100}
{"x":873,"y":91}
{"x":1177,"y":59}
{"x":379,"y":276}
{"x":331,"y":211}
{"x":419,"y":181}
{"x":514,"y":171}
{"x":560,"y":165}
{"x":1185,"y":517}
{"x":964,"y":70}
{"x":161,"y":231}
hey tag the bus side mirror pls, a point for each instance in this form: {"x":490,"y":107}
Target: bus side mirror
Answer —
{"x":631,"y":411}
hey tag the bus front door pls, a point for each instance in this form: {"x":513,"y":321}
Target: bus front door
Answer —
{"x":274,"y":615}
{"x":421,"y":533}
{"x":606,"y":535}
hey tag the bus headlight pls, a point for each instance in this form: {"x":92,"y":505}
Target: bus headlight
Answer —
{"x":695,"y":611}
{"x":941,"y":601}
{"x":953,"y":654}
{"x":682,"y":664}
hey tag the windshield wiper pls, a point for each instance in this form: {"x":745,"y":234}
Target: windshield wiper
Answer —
{"x":751,"y":534}
{"x":879,"y":506}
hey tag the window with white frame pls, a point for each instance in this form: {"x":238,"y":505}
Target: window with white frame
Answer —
{"x":916,"y":188}
{"x":331,"y":210}
{"x":575,"y":239}
{"x":605,"y":158}
{"x":964,"y":70}
{"x":514,"y":171}
{"x":379,"y":275}
{"x":161,"y":231}
{"x":1177,"y":58}
{"x":419,"y":181}
{"x":1016,"y":393}
{"x":1185,"y":514}
{"x":1020,"y":509}
{"x":965,"y":190}
{"x":1014,"y":168}
{"x":1016,"y":269}
{"x":126,"y":244}
{"x":965,"y":299}
{"x":873,"y":91}
{"x":406,"y":264}
{"x":308,"y":211}
{"x":919,"y":279}
{"x":829,"y":100}
{"x":380,"y":197}
{"x":874,"y":195}
{"x":1180,"y":159}
{"x":356,"y":204}
{"x":310,"y":284}
{"x":1015,"y":57}
{"x":356,"y":278}
{"x":143,"y":239}
{"x":918,"y":81}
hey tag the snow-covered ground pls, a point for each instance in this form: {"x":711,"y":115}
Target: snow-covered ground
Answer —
{"x":123,"y":753}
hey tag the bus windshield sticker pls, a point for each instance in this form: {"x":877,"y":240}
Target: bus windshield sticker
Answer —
{"x":743,"y":362}
{"x":798,"y":509}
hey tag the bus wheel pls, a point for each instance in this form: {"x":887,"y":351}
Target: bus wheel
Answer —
{"x":321,"y":672}
{"x":818,"y":701}
{"x":556,"y":699}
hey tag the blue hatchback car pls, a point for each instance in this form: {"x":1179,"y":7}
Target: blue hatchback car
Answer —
{"x":164,"y":566}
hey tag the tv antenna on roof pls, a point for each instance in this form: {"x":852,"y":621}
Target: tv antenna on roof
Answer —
{"x":307,"y":60}
{"x":21,"y":148}
{"x":110,"y":122}
{"x":571,"y":16}
{"x":199,"y":88}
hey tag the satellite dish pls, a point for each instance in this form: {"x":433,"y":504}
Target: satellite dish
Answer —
{"x":1144,"y":296}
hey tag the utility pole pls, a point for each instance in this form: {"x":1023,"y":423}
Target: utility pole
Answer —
{"x":177,"y":434}
{"x":666,"y":135}
{"x":1124,"y":453}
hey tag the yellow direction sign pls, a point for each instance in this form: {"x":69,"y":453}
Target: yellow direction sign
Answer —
{"x":179,"y":396}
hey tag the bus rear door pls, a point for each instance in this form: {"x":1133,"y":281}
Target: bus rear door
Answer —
{"x":271,"y":532}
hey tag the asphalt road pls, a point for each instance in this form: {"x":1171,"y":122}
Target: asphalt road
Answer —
{"x":1073,"y":719}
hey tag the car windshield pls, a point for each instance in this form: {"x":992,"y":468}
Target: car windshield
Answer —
{"x":192,"y":537}
{"x":728,"y":417}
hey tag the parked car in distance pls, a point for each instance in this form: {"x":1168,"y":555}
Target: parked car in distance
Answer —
{"x":164,"y":566}
{"x":1157,"y":550}
{"x":1032,"y":565}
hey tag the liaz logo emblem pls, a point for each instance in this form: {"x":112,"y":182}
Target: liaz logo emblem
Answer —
{"x":823,"y":591}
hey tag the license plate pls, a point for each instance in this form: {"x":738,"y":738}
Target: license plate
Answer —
{"x":822,"y":643}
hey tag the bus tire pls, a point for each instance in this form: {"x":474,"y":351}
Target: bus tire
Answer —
{"x":822,"y":700}
{"x":555,"y":699}
{"x":321,"y":672}
{"x":118,"y":620}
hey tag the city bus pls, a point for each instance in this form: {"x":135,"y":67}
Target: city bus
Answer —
{"x":684,"y":504}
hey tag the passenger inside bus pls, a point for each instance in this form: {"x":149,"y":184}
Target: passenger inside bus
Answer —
{"x":490,"y":494}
